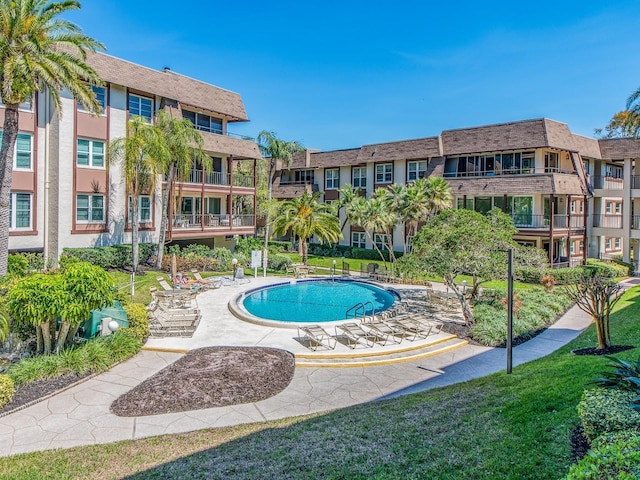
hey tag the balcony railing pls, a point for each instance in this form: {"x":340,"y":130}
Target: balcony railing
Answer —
{"x":635,"y":181}
{"x":607,"y":183}
{"x":635,"y":222}
{"x":243,"y":181}
{"x":544,"y":221}
{"x":607,"y":221}
{"x":219,"y":178}
{"x":508,"y":171}
{"x":211,"y":221}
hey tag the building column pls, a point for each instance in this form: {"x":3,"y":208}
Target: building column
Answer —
{"x":627,"y":173}
{"x":551,"y":220}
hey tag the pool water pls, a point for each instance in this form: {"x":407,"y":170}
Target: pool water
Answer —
{"x":315,"y":301}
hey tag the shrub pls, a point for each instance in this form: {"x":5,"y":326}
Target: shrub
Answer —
{"x":7,"y":389}
{"x":278,"y":246}
{"x":96,"y":355}
{"x":617,"y":458}
{"x":278,"y":261}
{"x":17,"y":265}
{"x":601,"y":268}
{"x":116,"y":256}
{"x":605,"y":410}
{"x":625,"y":376}
{"x":548,"y":282}
{"x":138,"y":318}
{"x":529,"y":275}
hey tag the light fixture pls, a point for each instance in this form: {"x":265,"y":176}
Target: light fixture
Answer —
{"x":113,"y":326}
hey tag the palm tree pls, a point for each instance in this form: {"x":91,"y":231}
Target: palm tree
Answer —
{"x":184,"y":144}
{"x":347,"y":201}
{"x":305,"y":217}
{"x":142,"y":153}
{"x":273,"y":150}
{"x":439,"y":195}
{"x":39,"y":52}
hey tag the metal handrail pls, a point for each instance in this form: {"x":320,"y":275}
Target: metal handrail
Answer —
{"x":355,"y":310}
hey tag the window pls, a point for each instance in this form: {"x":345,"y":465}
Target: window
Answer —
{"x":380,"y":239}
{"x":359,"y":177}
{"x":384,"y":173}
{"x":140,"y":106}
{"x":205,"y":123}
{"x":332,"y":179}
{"x":144,"y":209}
{"x":618,"y":208}
{"x":581,"y":246}
{"x":470,"y":203}
{"x":608,"y":208}
{"x":613,"y":171}
{"x":572,"y":248}
{"x":618,"y":243}
{"x":20,"y":211}
{"x":90,"y":208}
{"x":358,"y":239}
{"x":90,"y":153}
{"x":22,"y":151}
{"x":607,"y":244}
{"x":101,"y":97}
{"x":417,"y":170}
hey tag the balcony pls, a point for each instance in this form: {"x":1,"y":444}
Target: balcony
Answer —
{"x":211,"y":222}
{"x":607,"y":183}
{"x":220,"y":179}
{"x":560,"y":221}
{"x":508,"y":171}
{"x":607,"y":221}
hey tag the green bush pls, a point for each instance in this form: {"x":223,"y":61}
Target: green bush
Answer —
{"x":278,"y":261}
{"x":529,"y":275}
{"x":602,"y":268}
{"x":565,"y":276}
{"x":7,"y":389}
{"x":116,"y":256}
{"x":96,"y":355}
{"x":138,"y":318}
{"x":618,"y":457}
{"x":17,"y":265}
{"x":276,"y":246}
{"x":604,"y":410}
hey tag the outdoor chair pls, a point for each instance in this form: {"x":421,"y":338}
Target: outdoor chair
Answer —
{"x":355,"y":334}
{"x":164,"y":284}
{"x":387,"y":330}
{"x":210,"y":283}
{"x":317,"y":337}
{"x":423,"y":321}
{"x":412,"y":326}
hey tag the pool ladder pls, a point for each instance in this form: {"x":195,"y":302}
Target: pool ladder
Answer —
{"x":359,"y":310}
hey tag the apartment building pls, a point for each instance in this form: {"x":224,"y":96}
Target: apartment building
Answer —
{"x":65,"y":193}
{"x":570,"y":195}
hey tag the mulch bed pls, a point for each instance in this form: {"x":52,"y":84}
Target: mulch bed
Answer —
{"x":34,"y":391}
{"x":210,"y":377}
{"x":603,"y":351}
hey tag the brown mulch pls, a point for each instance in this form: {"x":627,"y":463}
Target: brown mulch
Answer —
{"x":210,"y":377}
{"x":34,"y":391}
{"x":602,"y":351}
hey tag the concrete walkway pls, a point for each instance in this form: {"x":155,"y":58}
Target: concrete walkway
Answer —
{"x":81,"y":416}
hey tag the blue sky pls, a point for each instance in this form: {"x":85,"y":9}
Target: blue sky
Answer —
{"x":341,"y":74}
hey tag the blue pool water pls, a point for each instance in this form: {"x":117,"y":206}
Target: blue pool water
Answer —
{"x":315,"y":301}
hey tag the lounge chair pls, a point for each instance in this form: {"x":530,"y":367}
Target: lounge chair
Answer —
{"x":355,"y":334}
{"x":383,"y":329}
{"x":211,"y":282}
{"x":164,"y":284}
{"x":411,"y":326}
{"x":317,"y":336}
{"x":422,"y":320}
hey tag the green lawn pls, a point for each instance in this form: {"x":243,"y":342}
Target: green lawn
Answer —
{"x":501,"y":426}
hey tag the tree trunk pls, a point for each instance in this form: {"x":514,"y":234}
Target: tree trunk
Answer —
{"x":165,"y":216}
{"x":272,"y":166}
{"x":10,"y":133}
{"x":39,"y":340}
{"x":72,"y":333}
{"x":305,"y":250}
{"x":62,"y":336}
{"x":134,"y":227}
{"x":46,"y":336}
{"x":466,"y":309}
{"x":603,"y":340}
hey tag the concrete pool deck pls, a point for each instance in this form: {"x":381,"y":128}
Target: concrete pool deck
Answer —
{"x":81,"y":416}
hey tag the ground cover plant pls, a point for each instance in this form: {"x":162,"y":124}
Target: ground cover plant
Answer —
{"x":501,"y":426}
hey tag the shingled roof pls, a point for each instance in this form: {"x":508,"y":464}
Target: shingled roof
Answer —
{"x":508,"y":136}
{"x":619,"y":148}
{"x":169,"y":84}
{"x":402,"y":150}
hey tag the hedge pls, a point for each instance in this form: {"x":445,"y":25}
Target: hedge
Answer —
{"x":328,"y":250}
{"x":138,"y":318}
{"x":617,"y":457}
{"x":604,"y":410}
{"x":7,"y":389}
{"x":116,"y":256}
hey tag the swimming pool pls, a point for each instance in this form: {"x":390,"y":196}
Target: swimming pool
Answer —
{"x":313,"y":301}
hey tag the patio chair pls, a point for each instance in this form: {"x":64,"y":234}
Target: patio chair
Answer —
{"x":411,"y":326}
{"x":424,"y":321}
{"x":383,"y":329}
{"x":355,"y":334}
{"x":164,"y":284}
{"x":318,"y":336}
{"x":211,"y":282}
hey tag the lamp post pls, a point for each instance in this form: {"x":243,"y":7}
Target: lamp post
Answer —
{"x":464,"y":287}
{"x":333,"y":271}
{"x":234,"y":262}
{"x":509,"y":309}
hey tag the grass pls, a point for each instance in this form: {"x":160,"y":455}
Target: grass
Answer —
{"x":501,"y":426}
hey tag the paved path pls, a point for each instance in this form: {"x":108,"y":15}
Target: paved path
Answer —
{"x":80,"y":415}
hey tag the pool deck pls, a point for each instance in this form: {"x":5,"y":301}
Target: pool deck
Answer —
{"x":80,"y":415}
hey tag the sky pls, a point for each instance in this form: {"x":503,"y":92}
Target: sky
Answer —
{"x":341,"y":74}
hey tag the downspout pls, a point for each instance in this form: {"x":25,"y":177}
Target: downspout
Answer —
{"x":45,"y":233}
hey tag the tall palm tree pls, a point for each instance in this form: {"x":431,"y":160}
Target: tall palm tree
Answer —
{"x":39,"y":52}
{"x":274,"y":149}
{"x":306,"y":217}
{"x":439,"y":195}
{"x":347,"y":201}
{"x":184,"y":144}
{"x":142,"y":153}
{"x":375,"y":216}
